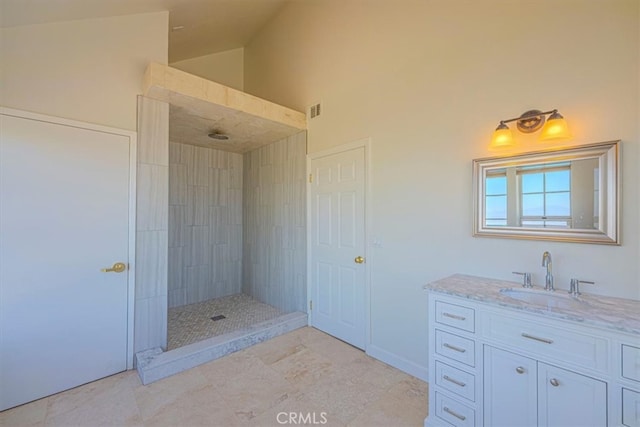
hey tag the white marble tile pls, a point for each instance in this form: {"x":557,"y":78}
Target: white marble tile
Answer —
{"x":218,"y":187}
{"x":195,"y":278}
{"x":197,"y":166}
{"x":274,"y":200}
{"x":175,"y":268}
{"x":150,"y":323}
{"x":235,"y":171}
{"x":152,"y":197}
{"x":205,"y":215}
{"x":198,"y":252}
{"x":235,"y":207}
{"x":219,"y":220}
{"x":177,"y":184}
{"x":151,"y":263}
{"x":176,"y":221}
{"x":219,"y":159}
{"x":175,"y":151}
{"x":177,"y":297}
{"x":187,"y":153}
{"x":197,"y":209}
{"x":235,"y":243}
{"x":153,"y":131}
{"x":219,"y":256}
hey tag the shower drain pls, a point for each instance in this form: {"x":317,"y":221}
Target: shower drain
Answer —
{"x":218,"y":317}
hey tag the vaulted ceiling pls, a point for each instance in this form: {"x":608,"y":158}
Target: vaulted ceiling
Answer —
{"x":209,"y":26}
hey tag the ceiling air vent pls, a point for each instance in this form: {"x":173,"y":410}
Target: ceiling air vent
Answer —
{"x":314,"y":111}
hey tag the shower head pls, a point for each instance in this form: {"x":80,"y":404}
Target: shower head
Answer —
{"x":218,"y":135}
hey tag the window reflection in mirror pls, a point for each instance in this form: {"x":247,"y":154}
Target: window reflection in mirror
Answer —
{"x":548,"y":195}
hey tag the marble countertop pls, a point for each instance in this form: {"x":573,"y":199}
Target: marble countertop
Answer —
{"x":613,"y":313}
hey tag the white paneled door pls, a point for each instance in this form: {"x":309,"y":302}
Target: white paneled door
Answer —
{"x":64,"y":216}
{"x":337,"y":236}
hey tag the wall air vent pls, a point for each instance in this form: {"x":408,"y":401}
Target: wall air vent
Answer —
{"x":314,"y":111}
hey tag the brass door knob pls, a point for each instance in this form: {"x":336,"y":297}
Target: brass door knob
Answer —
{"x":118,"y":267}
{"x":359,"y":260}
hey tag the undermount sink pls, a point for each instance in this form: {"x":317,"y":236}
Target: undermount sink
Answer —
{"x":545,"y":298}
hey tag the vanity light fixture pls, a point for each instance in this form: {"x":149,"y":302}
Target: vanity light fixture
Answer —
{"x":528,"y":122}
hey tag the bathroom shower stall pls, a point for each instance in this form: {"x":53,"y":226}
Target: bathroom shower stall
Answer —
{"x":221,"y":222}
{"x":236,"y":225}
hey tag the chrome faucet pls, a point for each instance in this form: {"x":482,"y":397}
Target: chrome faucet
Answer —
{"x":548,"y":280}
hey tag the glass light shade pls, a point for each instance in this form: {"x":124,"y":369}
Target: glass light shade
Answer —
{"x":555,"y":128}
{"x":502,"y":138}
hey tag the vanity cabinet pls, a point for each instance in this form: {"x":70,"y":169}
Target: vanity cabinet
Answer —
{"x":518,"y":391}
{"x":494,"y":365}
{"x":510,"y":389}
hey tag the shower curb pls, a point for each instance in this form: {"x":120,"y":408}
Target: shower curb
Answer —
{"x":154,"y":364}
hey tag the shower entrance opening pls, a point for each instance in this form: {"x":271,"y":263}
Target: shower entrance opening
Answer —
{"x":191,"y":323}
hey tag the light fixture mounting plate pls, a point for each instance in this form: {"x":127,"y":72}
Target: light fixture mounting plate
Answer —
{"x":530,"y":121}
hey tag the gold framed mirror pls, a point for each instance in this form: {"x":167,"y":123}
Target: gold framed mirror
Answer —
{"x":567,"y":195}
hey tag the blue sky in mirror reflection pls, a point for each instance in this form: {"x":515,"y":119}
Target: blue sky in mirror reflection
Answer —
{"x":542,"y":194}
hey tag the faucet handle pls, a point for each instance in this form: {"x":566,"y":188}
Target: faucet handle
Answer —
{"x":574,"y":288}
{"x":526,"y":279}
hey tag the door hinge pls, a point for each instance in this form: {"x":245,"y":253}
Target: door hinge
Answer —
{"x":310,"y":305}
{"x":310,"y":178}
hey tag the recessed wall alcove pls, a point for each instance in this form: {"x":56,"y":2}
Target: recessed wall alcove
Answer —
{"x":221,"y":225}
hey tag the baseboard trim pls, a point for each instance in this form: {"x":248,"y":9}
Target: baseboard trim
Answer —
{"x":398,"y":362}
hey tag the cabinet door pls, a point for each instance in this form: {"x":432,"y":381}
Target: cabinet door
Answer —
{"x":570,"y":399}
{"x":510,"y":389}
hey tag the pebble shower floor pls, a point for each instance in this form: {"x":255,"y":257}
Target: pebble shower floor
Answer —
{"x":192,"y":323}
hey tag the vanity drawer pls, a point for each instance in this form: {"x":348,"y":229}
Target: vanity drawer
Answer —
{"x":455,"y":347}
{"x":630,"y":408}
{"x":456,"y":381}
{"x":455,"y":316}
{"x":631,"y":362}
{"x":547,"y":340}
{"x":454,"y":412}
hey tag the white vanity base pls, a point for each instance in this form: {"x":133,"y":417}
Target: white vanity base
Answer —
{"x":495,"y":362}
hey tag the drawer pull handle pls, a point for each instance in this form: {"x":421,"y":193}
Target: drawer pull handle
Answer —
{"x":532,"y":337}
{"x":454,"y":316}
{"x":454,"y":348}
{"x":554,"y":382}
{"x":520,"y":370}
{"x":456,"y":382}
{"x":455,"y":414}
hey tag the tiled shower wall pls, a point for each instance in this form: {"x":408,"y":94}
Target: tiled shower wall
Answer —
{"x":205,"y":224}
{"x":152,"y":180}
{"x":274,"y":241}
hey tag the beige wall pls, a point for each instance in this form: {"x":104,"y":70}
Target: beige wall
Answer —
{"x":428,"y":81}
{"x":225,"y":67}
{"x":89,"y":70}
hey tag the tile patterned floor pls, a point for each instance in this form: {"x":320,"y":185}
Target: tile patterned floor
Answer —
{"x":192,"y":323}
{"x":302,"y":373}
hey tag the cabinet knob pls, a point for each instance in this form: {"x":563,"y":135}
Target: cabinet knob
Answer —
{"x":554,"y":382}
{"x":520,"y":370}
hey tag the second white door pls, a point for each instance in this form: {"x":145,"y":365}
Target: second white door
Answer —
{"x":338,"y":259}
